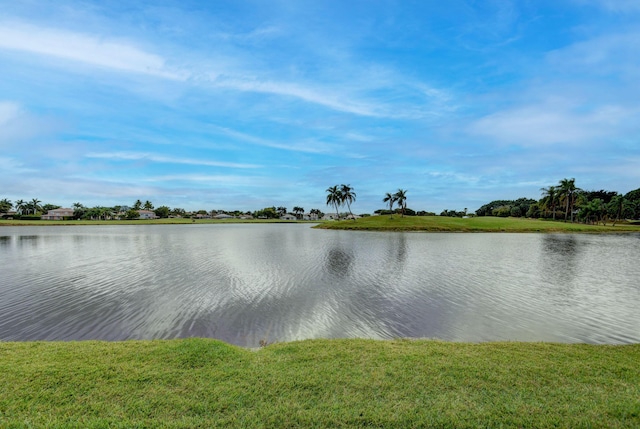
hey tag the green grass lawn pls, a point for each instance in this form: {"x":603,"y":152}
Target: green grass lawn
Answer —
{"x":474,"y":224}
{"x":318,"y":383}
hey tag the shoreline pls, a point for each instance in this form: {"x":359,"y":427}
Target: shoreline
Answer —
{"x":377,"y":223}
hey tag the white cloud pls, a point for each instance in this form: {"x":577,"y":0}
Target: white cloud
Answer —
{"x":306,"y":93}
{"x":139,"y":156}
{"x":308,"y":148}
{"x":88,"y":49}
{"x":554,"y":121}
{"x":611,"y":54}
{"x":350,"y":96}
{"x":219,"y":179}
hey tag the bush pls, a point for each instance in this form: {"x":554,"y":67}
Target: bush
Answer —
{"x":29,"y":217}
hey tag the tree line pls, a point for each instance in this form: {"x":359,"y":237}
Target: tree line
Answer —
{"x":565,"y":201}
{"x":34,"y":208}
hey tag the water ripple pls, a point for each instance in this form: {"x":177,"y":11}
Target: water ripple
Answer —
{"x":249,"y":284}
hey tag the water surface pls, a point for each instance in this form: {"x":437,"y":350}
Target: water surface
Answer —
{"x":246,"y":283}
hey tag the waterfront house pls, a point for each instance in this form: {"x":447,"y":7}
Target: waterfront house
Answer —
{"x":330,"y":216}
{"x":58,"y":214}
{"x":146,"y":214}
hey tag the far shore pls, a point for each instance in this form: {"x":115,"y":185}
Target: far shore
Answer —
{"x":473,"y":224}
{"x":167,"y":221}
{"x":397,"y":223}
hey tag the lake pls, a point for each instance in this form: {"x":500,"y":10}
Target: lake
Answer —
{"x":252,"y":283}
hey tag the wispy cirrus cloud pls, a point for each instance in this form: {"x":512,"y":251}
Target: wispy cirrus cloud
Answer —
{"x":143,"y":156}
{"x":237,"y":180}
{"x":357,"y":97}
{"x":259,"y":141}
{"x":84,"y":48}
{"x":308,"y":93}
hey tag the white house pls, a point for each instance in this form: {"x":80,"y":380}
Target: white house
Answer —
{"x":58,"y":214}
{"x":288,"y":216}
{"x":330,"y":216}
{"x":146,"y":214}
{"x":223,"y":216}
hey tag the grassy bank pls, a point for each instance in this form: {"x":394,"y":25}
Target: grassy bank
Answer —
{"x":475,"y":224}
{"x":319,"y":383}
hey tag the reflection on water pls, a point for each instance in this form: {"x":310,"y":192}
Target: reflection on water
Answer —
{"x":250,"y":283}
{"x":561,"y":258}
{"x":338,"y":261}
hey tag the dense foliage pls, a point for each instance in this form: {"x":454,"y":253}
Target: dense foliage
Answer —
{"x":568,"y":202}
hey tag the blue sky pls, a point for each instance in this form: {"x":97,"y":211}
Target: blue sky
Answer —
{"x":250,"y":104}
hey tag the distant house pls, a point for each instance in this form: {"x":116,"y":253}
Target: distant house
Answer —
{"x":330,"y":216}
{"x":288,"y":216}
{"x":223,"y":216}
{"x":8,"y":215}
{"x":246,"y":217}
{"x":58,"y":214}
{"x":146,"y":214}
{"x":310,"y":216}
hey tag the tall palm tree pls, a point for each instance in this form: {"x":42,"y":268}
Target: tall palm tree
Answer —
{"x":347,"y":196}
{"x":148,"y":205}
{"x":298,"y":211}
{"x":137,"y":205}
{"x":389,"y":198}
{"x":5,"y":205}
{"x":550,"y":199}
{"x":334,"y":198}
{"x":567,"y":189}
{"x":20,"y":206}
{"x":616,"y":207}
{"x":401,"y":198}
{"x":35,"y":205}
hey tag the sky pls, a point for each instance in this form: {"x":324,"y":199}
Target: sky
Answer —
{"x":243,"y":104}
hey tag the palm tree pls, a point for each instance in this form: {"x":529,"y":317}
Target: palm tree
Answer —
{"x":567,"y":188}
{"x":389,"y":198}
{"x":347,"y":196}
{"x":334,"y":198}
{"x":148,"y":205}
{"x":298,"y":211}
{"x":616,"y":207}
{"x":401,"y":198}
{"x":550,"y":199}
{"x":20,"y":206}
{"x":5,"y":205}
{"x":35,"y":205}
{"x":137,"y":205}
